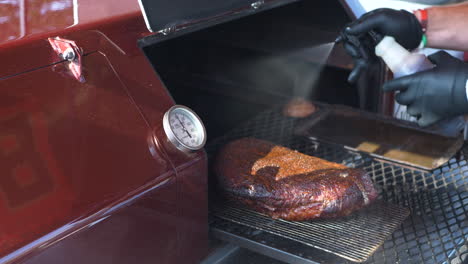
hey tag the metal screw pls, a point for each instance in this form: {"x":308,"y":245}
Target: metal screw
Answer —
{"x":69,"y":54}
{"x":258,"y":4}
{"x":168,"y":30}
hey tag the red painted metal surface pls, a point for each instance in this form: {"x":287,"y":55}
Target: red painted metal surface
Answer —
{"x":191,"y":169}
{"x":123,"y":238}
{"x":26,"y":25}
{"x":23,"y":19}
{"x":82,"y":160}
{"x":75,"y":149}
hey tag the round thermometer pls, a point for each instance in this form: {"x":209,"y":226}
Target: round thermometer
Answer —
{"x":184,"y":128}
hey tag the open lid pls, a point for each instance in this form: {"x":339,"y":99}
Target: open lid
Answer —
{"x":172,"y":14}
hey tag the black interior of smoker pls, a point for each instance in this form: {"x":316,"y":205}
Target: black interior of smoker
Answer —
{"x":231,"y":72}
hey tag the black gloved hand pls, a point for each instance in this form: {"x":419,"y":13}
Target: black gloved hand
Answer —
{"x":361,"y":36}
{"x":434,"y":94}
{"x":400,"y":24}
{"x":360,"y":49}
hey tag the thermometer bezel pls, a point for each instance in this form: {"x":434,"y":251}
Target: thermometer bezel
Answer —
{"x":171,"y":134}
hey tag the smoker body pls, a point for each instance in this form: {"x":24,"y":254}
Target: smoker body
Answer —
{"x":239,"y":74}
{"x":89,"y":175}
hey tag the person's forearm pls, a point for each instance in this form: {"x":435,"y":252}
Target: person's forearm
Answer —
{"x":447,"y":27}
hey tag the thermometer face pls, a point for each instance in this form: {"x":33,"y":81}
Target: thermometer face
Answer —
{"x":184,"y":128}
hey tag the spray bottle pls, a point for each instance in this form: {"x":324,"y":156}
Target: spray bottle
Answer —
{"x":401,"y":62}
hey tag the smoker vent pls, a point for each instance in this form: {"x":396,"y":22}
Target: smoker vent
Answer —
{"x":435,"y":232}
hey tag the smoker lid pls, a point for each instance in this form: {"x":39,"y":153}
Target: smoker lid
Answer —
{"x":167,"y":14}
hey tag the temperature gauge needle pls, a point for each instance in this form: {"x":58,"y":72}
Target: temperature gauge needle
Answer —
{"x":183,"y":127}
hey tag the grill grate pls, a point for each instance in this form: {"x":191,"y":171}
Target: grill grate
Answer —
{"x":355,"y":237}
{"x":436,"y":230}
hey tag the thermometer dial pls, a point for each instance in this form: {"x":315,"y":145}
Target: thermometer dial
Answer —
{"x":184,"y":128}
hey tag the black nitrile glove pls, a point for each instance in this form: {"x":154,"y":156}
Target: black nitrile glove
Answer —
{"x":400,"y":24}
{"x":360,"y":37}
{"x":434,"y":94}
{"x":360,"y":49}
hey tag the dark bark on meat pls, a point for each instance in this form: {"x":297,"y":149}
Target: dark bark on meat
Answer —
{"x":286,"y":184}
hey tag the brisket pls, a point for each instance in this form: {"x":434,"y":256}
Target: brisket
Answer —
{"x":284,"y":183}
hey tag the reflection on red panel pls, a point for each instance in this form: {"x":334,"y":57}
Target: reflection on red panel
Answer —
{"x":48,"y":15}
{"x":25,"y":18}
{"x":19,"y":18}
{"x":10,"y":24}
{"x":71,"y":149}
{"x":31,"y":183}
{"x":144,"y":232}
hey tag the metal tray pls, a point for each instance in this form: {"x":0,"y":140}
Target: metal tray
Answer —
{"x":380,"y":136}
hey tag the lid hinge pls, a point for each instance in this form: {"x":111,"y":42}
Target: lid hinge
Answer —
{"x":68,"y":51}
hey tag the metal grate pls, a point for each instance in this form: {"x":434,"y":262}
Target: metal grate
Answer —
{"x":354,"y":238}
{"x":436,"y":230}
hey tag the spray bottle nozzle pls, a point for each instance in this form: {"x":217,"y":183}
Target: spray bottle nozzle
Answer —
{"x":347,"y":38}
{"x":342,"y":37}
{"x":354,"y":40}
{"x":357,"y":50}
{"x":339,"y":39}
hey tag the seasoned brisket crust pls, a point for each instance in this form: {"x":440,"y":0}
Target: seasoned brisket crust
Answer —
{"x":286,"y":184}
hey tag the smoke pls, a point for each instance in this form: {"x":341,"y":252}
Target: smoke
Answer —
{"x":309,"y":69}
{"x":291,"y":74}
